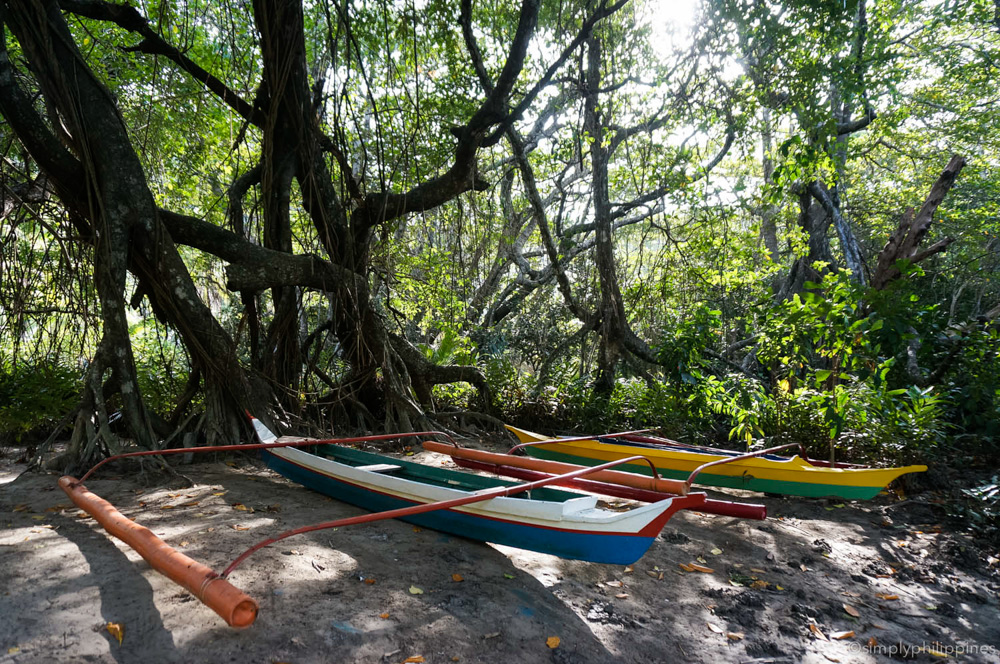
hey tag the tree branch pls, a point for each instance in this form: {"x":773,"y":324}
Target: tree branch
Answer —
{"x":128,"y":18}
{"x":904,"y":242}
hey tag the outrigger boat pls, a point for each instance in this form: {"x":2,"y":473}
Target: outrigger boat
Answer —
{"x":558,"y":522}
{"x":763,"y":471}
{"x":565,"y":524}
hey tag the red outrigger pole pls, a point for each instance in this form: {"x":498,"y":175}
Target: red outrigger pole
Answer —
{"x":243,"y":447}
{"x":711,"y":505}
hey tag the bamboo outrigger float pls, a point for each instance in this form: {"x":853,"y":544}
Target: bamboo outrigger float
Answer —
{"x":234,"y":606}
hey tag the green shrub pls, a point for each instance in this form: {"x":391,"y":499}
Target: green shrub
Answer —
{"x":33,"y":397}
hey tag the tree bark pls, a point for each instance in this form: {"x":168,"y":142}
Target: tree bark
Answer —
{"x":904,"y":243}
{"x":611,"y":310}
{"x":107,"y":188}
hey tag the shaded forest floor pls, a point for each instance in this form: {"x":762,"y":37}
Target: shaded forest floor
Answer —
{"x":387,"y":592}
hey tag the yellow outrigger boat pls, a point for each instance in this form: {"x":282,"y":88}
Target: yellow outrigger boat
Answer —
{"x":767,"y":472}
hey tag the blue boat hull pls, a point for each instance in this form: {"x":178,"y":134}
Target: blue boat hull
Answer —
{"x":610,"y":548}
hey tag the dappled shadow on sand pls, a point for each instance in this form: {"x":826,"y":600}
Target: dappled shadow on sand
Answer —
{"x":126,"y":596}
{"x":64,"y":581}
{"x":371,"y":593}
{"x":385,"y":592}
{"x":389,"y":591}
{"x":911,"y":588}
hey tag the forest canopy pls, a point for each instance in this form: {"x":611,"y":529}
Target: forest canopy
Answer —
{"x":757,"y":222}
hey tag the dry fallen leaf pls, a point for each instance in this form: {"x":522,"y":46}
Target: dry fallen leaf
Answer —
{"x":185,"y":543}
{"x":759,"y":584}
{"x":702,"y":560}
{"x":12,"y":650}
{"x":735,"y":636}
{"x":851,"y":611}
{"x":715,"y":628}
{"x":240,"y":506}
{"x":414,"y":659}
{"x":383,"y":616}
{"x":657,"y":574}
{"x":552,"y":642}
{"x":756,"y":570}
{"x":621,"y":595}
{"x":936,"y":653}
{"x":831,"y":658}
{"x":703,"y":569}
{"x":457,"y":578}
{"x":628,"y":570}
{"x":238,"y":527}
{"x":716,"y":552}
{"x":615,"y":584}
{"x":116,"y":630}
{"x":887,"y":598}
{"x":417,"y":529}
{"x":370,"y":581}
{"x":840,"y":636}
{"x":817,"y":632}
{"x":416,"y":591}
{"x":872,"y":642}
{"x":683,"y":566}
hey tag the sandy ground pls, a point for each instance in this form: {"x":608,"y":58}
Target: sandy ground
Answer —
{"x":388,"y":592}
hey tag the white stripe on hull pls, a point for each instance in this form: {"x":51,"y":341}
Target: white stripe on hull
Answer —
{"x":574,"y":514}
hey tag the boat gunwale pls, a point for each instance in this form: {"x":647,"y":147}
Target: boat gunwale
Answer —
{"x":584,"y":509}
{"x":799,"y":465}
{"x":424,"y":474}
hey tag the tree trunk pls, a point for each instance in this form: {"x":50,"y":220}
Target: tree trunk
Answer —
{"x":904,"y":243}
{"x":611,"y":311}
{"x":815,"y":222}
{"x":769,"y":211}
{"x":107,"y":187}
